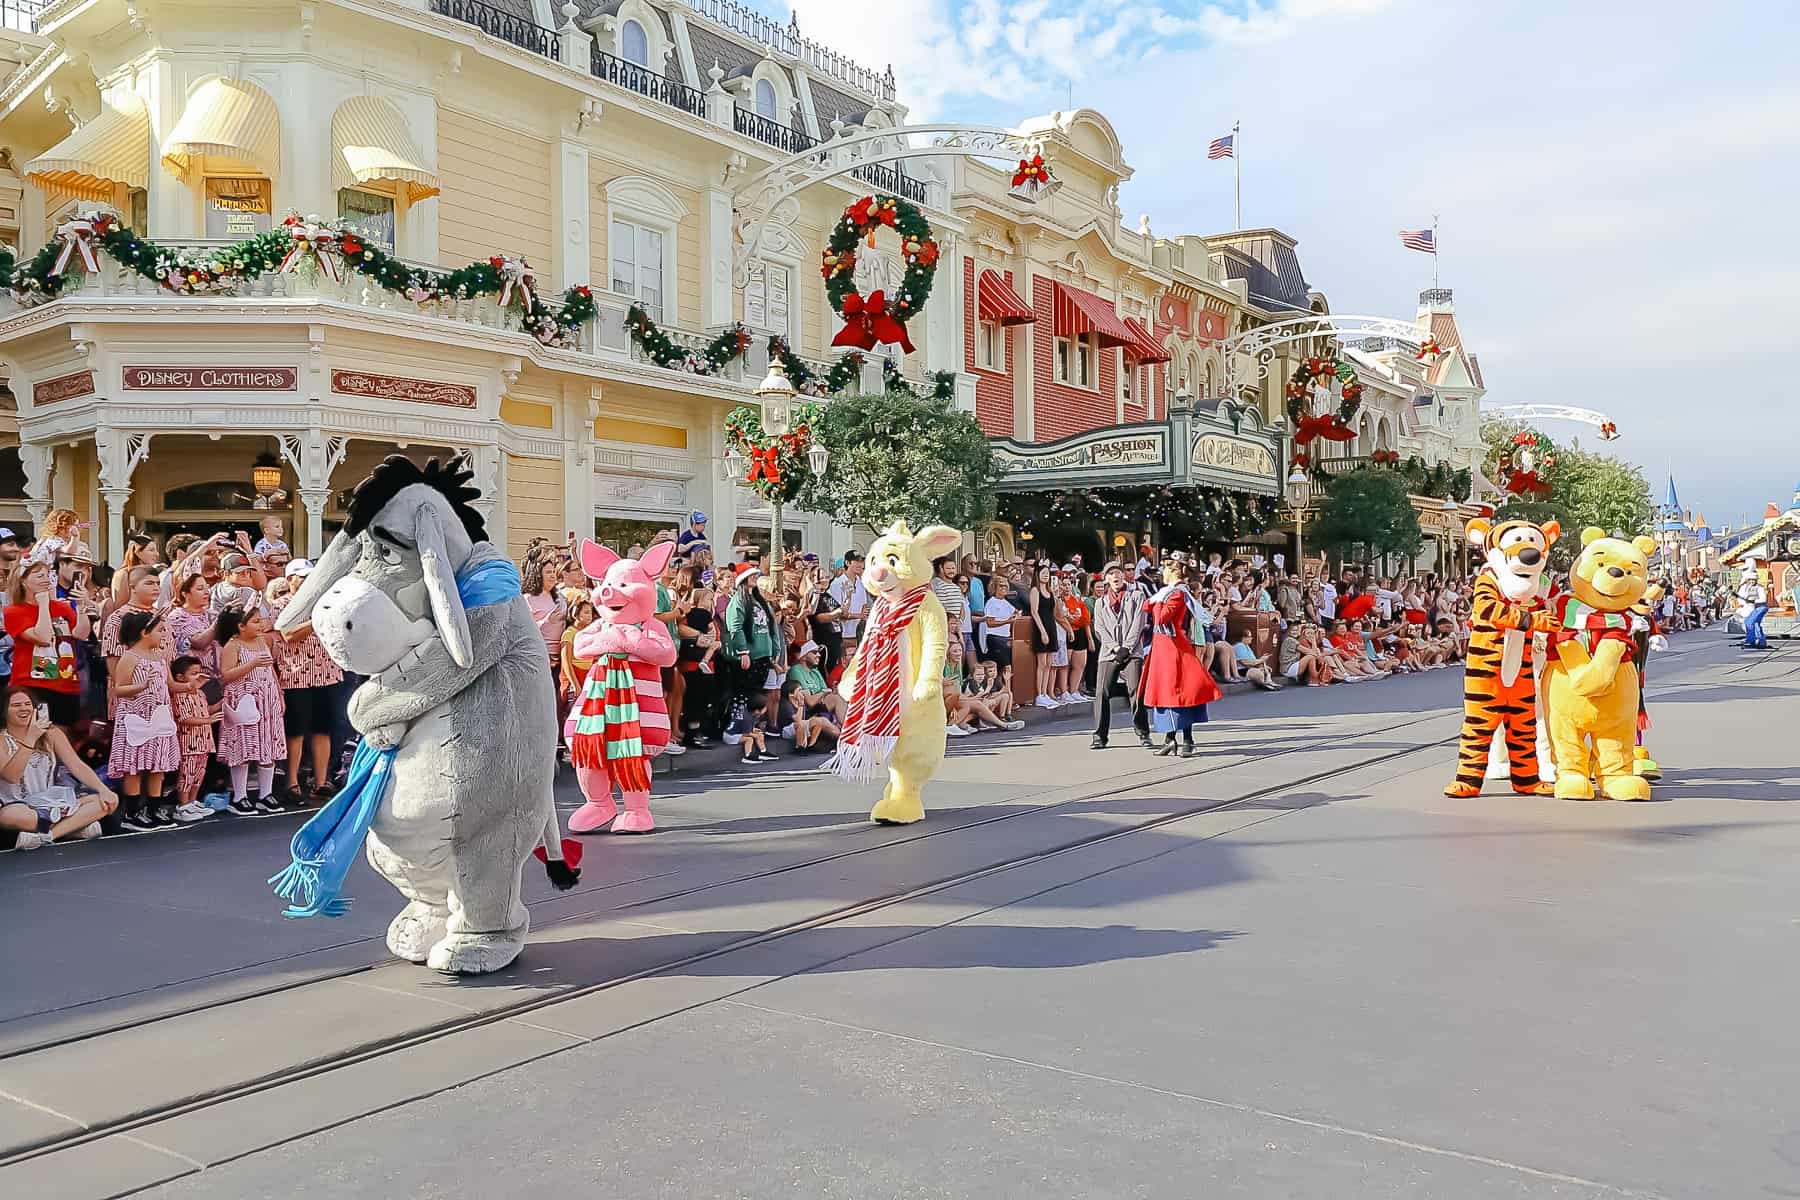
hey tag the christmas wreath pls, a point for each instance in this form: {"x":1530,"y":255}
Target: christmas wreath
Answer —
{"x":878,"y":319}
{"x":775,"y":465}
{"x":1332,"y":426}
{"x":1526,"y":462}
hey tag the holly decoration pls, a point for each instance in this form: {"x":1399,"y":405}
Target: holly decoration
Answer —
{"x":1385,"y":458}
{"x":878,"y":319}
{"x":776,"y":466}
{"x":1429,"y":348}
{"x":842,"y":374}
{"x":1031,"y":170}
{"x":222,"y":271}
{"x":1526,"y":463}
{"x":1332,"y":426}
{"x":664,"y":351}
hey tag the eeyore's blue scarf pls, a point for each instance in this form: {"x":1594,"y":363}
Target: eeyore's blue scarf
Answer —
{"x":326,"y":846}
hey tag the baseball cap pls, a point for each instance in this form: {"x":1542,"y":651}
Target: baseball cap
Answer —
{"x":235,"y":561}
{"x":1113,"y":566}
{"x":696,"y":517}
{"x":851,"y":556}
{"x":299,"y":569}
{"x":7,"y":535}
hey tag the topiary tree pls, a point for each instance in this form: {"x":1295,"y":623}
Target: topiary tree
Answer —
{"x":1367,"y":511}
{"x":896,"y":456}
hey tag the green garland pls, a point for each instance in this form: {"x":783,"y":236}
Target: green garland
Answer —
{"x":943,"y":383}
{"x":221,"y":271}
{"x":664,"y":351}
{"x":842,"y":374}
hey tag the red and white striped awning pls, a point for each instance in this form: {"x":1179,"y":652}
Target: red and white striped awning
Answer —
{"x":1078,"y":312}
{"x":998,"y":301}
{"x":1143,"y":345}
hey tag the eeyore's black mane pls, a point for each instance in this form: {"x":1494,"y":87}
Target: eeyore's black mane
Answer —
{"x":454,"y":480}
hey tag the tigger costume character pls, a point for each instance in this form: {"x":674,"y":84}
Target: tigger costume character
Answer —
{"x":1499,"y":678}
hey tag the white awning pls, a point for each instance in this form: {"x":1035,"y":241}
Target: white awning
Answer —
{"x":110,"y":150}
{"x":370,"y":143}
{"x":230,"y":119}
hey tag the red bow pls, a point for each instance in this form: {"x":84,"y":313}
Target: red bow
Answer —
{"x":765,"y":464}
{"x":1327,"y":427}
{"x":1523,"y":482}
{"x":866,"y":323}
{"x":1030,"y":168}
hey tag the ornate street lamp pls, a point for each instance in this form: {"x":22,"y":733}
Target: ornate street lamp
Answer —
{"x":818,"y":457}
{"x":1299,"y":492}
{"x":776,"y":393}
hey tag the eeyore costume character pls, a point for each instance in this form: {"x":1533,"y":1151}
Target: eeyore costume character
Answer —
{"x":452,"y":782}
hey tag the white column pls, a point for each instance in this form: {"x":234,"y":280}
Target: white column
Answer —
{"x":569,"y":215}
{"x":490,"y":478}
{"x":716,"y":298}
{"x":314,"y":455}
{"x":944,"y":313}
{"x":720,"y":492}
{"x":119,"y":454}
{"x":174,"y":213}
{"x":581,"y":408}
{"x":38,"y":463}
{"x":304,"y":190}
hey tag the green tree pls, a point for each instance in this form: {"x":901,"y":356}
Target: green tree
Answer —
{"x":902,"y":457}
{"x":1586,"y":489}
{"x":1366,"y":513}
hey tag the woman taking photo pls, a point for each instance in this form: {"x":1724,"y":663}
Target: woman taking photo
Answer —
{"x":32,"y":804}
{"x":189,"y":625}
{"x":44,"y":632}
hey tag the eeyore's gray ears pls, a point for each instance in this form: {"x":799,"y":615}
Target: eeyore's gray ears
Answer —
{"x":338,"y":561}
{"x":440,"y":585}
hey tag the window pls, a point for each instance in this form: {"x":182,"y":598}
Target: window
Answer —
{"x":766,"y":298}
{"x":634,"y":44}
{"x":369,"y":214}
{"x":140,"y":212}
{"x":765,"y":99}
{"x":237,"y":209}
{"x":637,"y":265}
{"x":1076,"y":360}
{"x":1128,"y":380}
{"x":990,"y":346}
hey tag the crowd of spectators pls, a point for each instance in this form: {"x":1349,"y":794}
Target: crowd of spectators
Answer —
{"x":158,"y":694}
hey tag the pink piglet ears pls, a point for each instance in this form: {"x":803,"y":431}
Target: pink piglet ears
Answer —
{"x":595,"y":559}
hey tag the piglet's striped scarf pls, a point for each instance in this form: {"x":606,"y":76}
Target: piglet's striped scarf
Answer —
{"x":608,"y":734}
{"x":872,"y":723}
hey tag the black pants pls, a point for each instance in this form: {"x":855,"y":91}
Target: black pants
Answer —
{"x":1129,"y":670}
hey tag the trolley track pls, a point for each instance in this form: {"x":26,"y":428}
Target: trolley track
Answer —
{"x":815,"y":921}
{"x":1084,"y":793}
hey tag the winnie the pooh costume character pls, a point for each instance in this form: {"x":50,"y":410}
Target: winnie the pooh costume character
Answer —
{"x":894,"y":685}
{"x":1593,"y":682}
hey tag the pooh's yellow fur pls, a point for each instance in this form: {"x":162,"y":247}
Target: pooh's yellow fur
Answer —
{"x":1594,"y":697}
{"x":900,"y":563}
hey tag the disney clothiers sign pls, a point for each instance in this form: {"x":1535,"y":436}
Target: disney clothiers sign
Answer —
{"x":211,"y":379}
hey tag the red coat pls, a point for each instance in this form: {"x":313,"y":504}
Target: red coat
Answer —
{"x":1173,"y":676}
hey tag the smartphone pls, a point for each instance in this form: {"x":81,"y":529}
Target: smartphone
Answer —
{"x":43,"y":714}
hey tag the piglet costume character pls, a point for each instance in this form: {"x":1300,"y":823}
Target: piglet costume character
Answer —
{"x":622,"y":721}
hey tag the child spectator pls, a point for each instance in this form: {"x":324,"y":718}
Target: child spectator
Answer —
{"x":270,"y":541}
{"x":252,"y":729}
{"x":145,"y":745}
{"x":194,"y":717}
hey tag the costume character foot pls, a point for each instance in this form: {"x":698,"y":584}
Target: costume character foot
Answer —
{"x":1625,"y":787}
{"x":636,"y":817}
{"x":1462,"y":791}
{"x":476,"y":953}
{"x":418,"y":928}
{"x":1570,"y":786}
{"x":1540,"y":788}
{"x":593,"y":816}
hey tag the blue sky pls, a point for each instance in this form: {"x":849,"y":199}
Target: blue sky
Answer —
{"x":1617,"y":183}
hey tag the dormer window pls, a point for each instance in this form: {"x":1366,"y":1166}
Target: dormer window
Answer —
{"x":634,"y":43}
{"x":765,"y":100}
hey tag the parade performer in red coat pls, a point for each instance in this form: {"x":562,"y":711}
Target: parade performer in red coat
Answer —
{"x":1177,"y":688}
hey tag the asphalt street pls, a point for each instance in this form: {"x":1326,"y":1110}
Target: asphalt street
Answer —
{"x":1288,"y":968}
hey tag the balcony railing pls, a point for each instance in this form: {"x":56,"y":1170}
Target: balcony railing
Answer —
{"x":527,"y":35}
{"x":21,"y":15}
{"x":893,"y":180}
{"x":786,"y":39}
{"x":770,"y":133}
{"x":646,"y":82}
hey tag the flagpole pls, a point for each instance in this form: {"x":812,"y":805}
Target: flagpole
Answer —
{"x":1435,"y":247}
{"x":1237,"y":166}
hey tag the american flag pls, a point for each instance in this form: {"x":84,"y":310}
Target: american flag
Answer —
{"x":1221,"y":147}
{"x":1419,"y":239}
